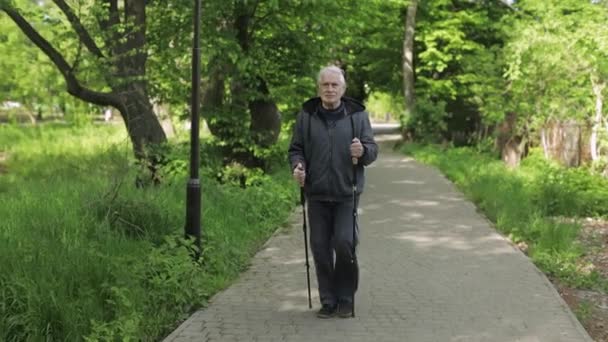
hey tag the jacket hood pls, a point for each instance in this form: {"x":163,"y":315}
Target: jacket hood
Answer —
{"x":352,"y":105}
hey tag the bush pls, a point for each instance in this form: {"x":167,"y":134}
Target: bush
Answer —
{"x":427,"y":123}
{"x":567,"y":192}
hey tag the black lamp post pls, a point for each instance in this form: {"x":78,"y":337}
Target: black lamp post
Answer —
{"x":193,"y":197}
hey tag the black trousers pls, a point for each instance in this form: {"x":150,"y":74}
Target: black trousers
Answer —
{"x":332,"y":242}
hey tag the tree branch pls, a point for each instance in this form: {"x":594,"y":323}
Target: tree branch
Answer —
{"x":113,"y":17}
{"x":82,"y":32}
{"x":74,"y":87}
{"x":78,"y":55}
{"x":258,"y":21}
{"x":255,"y":8}
{"x":241,"y":25}
{"x":106,"y":24}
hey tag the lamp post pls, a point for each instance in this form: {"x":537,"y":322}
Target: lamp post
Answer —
{"x":193,"y":196}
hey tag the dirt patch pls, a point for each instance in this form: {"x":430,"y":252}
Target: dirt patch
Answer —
{"x":594,"y":237}
{"x":590,"y":306}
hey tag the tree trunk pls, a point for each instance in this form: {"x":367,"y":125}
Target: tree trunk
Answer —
{"x":543,"y":140}
{"x":408,"y":56}
{"x":511,"y":153}
{"x":597,"y":120}
{"x":142,"y":125}
{"x":505,"y":131}
{"x":510,"y":145}
{"x":571,"y":154}
{"x":265,"y":118}
{"x":126,"y":61}
{"x":213,"y":98}
{"x":562,"y":142}
{"x":265,"y":123}
{"x":231,"y":94}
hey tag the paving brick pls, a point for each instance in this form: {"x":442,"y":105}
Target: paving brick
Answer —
{"x":432,"y":269}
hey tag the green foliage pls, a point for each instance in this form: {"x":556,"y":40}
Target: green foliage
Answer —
{"x":237,"y":174}
{"x":427,"y":122}
{"x":567,"y":192}
{"x":524,"y":203}
{"x":370,"y":45}
{"x":557,"y":49}
{"x":567,"y":267}
{"x":134,"y":216}
{"x":87,"y":256}
{"x":285,"y":46}
{"x":29,"y":76}
{"x":459,"y":66}
{"x":384,"y":105}
{"x":584,"y":311}
{"x":475,"y":60}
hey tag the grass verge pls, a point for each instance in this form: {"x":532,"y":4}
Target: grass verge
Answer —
{"x":529,"y":205}
{"x":87,"y":256}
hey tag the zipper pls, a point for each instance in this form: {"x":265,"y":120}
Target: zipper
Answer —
{"x":330,"y":174}
{"x":331,"y":145}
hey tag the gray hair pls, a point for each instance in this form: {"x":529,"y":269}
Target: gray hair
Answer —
{"x":331,"y":69}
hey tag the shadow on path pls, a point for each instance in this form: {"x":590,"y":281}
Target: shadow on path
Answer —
{"x":432,"y":269}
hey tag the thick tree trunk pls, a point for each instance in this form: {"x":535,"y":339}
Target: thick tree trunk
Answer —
{"x":562,"y":142}
{"x":408,"y":56}
{"x":265,"y":123}
{"x":510,"y":145}
{"x":142,"y":124}
{"x":265,"y":118}
{"x":597,"y":120}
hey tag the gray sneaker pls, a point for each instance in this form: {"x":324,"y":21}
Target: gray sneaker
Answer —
{"x":327,"y":311}
{"x":345,"y":309}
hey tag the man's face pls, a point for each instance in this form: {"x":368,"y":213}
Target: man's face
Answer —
{"x":331,"y":89}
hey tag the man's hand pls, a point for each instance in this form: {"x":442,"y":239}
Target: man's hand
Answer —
{"x":356,"y":149}
{"x":299,"y":174}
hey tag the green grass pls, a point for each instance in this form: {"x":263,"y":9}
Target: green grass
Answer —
{"x":584,"y":311}
{"x":526,"y":204}
{"x":87,"y":256}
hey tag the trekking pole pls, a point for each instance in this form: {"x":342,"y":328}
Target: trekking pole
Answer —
{"x":353,"y":259}
{"x":303,"y":201}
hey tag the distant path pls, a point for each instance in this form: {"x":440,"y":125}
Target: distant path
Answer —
{"x":432,"y":269}
{"x":385,"y":128}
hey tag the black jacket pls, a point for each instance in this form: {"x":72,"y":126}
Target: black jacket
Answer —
{"x":324,"y":150}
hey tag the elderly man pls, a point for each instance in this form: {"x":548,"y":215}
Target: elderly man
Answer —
{"x":332,"y":142}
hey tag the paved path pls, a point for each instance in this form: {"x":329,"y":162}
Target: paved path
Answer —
{"x":432,"y":269}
